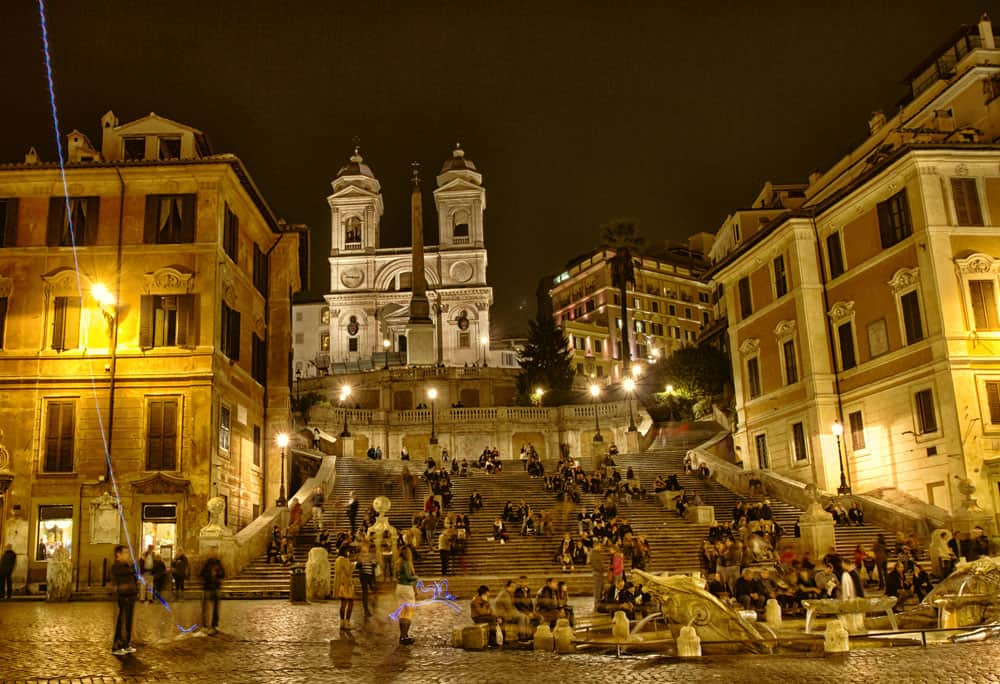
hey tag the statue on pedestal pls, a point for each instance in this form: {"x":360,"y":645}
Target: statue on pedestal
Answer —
{"x":59,"y":575}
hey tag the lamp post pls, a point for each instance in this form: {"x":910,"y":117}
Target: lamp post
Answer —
{"x":432,"y":394}
{"x":536,"y":396}
{"x":282,"y":441}
{"x":629,"y":386}
{"x":595,"y":392}
{"x":844,"y":489}
{"x":345,"y":392}
{"x":485,"y":341}
{"x":385,"y":348}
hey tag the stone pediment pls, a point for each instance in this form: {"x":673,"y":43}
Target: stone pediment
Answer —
{"x":154,"y":123}
{"x":168,"y":280}
{"x":458,"y":184}
{"x":64,"y":280}
{"x":161,"y":483}
{"x":349,"y":191}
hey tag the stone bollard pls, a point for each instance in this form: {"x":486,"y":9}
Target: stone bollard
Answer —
{"x":317,"y":574}
{"x":543,"y":638}
{"x":620,"y":626}
{"x":688,"y":643}
{"x":836,"y":639}
{"x":772,"y":613}
{"x":563,"y":635}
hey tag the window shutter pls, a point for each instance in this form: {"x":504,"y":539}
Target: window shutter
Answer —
{"x":983,"y":304}
{"x":57,"y":216}
{"x":152,"y":216}
{"x":10,"y":223}
{"x":885,"y":224}
{"x":52,"y":437}
{"x":847,"y":359}
{"x":154,"y":436}
{"x":234,"y":335}
{"x":93,"y":216}
{"x":185,"y":321}
{"x":188,"y":218}
{"x":66,"y":437}
{"x":966,"y":198}
{"x":911,"y":318}
{"x":146,"y":321}
{"x":71,"y":322}
{"x":3,"y":319}
{"x":59,"y":323}
{"x":169,"y":432}
{"x":993,"y":399}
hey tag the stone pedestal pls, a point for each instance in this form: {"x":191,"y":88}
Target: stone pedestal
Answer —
{"x":346,"y":446}
{"x":854,"y":623}
{"x":816,"y":531}
{"x":598,"y":452}
{"x":563,"y":635}
{"x":701,"y":515}
{"x":688,"y":643}
{"x":632,"y":442}
{"x":59,"y":576}
{"x":543,"y":639}
{"x":420,"y":344}
{"x":836,"y":639}
{"x":620,"y":626}
{"x":317,"y":574}
{"x":216,"y":537}
{"x":772,"y":613}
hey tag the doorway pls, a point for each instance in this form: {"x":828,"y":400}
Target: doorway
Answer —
{"x":159,"y":529}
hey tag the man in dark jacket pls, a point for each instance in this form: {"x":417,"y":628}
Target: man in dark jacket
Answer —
{"x":212,"y":574}
{"x":7,"y":562}
{"x":749,"y":591}
{"x":126,"y":588}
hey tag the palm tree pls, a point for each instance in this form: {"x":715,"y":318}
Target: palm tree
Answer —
{"x":623,"y":238}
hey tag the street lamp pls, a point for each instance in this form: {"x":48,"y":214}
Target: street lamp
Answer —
{"x":844,"y":489}
{"x":385,"y":348}
{"x":595,"y":392}
{"x":629,"y":385}
{"x":298,"y":383}
{"x":282,"y":442}
{"x":485,"y":341}
{"x":536,"y":396}
{"x":432,"y":394}
{"x":345,"y":392}
{"x":670,"y":389}
{"x":636,"y":371}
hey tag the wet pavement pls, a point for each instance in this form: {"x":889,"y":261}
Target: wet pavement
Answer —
{"x":275,"y":641}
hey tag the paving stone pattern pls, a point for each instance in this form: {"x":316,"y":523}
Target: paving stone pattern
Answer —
{"x":277,"y":642}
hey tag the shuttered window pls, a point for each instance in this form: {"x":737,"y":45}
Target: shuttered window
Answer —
{"x":258,"y":446}
{"x":258,"y":360}
{"x":166,"y":321}
{"x":857,"y":431}
{"x":231,"y":233}
{"x":834,"y":255}
{"x":760,"y":441}
{"x":780,"y":277}
{"x":791,"y":364}
{"x":8,"y":222}
{"x":746,"y":304}
{"x":966,"y":197}
{"x":911,"y":317}
{"x":261,"y":270}
{"x":170,"y":219}
{"x":65,"y":323}
{"x":799,"y":442}
{"x":845,"y":335}
{"x":984,"y":304}
{"x":753,"y":377}
{"x":894,"y":219}
{"x":230,"y":341}
{"x":993,"y":400}
{"x":161,"y":434}
{"x":83,"y":216}
{"x":3,"y":320}
{"x":60,"y":427}
{"x":926,"y":418}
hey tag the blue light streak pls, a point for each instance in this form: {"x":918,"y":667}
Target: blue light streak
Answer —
{"x":439,"y":596}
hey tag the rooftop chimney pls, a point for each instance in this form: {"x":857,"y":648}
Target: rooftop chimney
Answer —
{"x":986,"y":32}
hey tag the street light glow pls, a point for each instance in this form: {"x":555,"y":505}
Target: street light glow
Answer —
{"x":629,"y":385}
{"x":432,"y":393}
{"x":484,"y":340}
{"x":838,"y":428}
{"x":282,"y":440}
{"x":539,"y":392}
{"x":636,"y":371}
{"x":386,"y":344}
{"x":102,"y":294}
{"x":595,"y":390}
{"x":670,"y":389}
{"x":345,"y":391}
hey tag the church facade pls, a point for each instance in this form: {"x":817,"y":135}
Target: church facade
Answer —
{"x":364,"y":320}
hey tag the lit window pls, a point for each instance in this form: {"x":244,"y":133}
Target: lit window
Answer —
{"x":224,"y":428}
{"x":926,"y":416}
{"x":55,"y":531}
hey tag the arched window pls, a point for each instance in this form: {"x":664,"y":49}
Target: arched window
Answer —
{"x":352,"y":232}
{"x":460,"y":227}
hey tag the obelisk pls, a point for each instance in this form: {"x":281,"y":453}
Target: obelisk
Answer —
{"x":420,"y":328}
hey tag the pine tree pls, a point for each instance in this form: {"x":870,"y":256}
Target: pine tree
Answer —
{"x":546,"y":363}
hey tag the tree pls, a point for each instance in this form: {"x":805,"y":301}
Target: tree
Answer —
{"x":546,"y":362}
{"x":696,"y":374}
{"x":623,"y":237}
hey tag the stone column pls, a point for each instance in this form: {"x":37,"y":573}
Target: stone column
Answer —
{"x":420,"y":328}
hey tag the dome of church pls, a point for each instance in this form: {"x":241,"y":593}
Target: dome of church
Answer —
{"x":458,"y":161}
{"x":355,"y":167}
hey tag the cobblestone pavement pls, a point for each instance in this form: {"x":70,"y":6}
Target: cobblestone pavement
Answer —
{"x":275,"y":641}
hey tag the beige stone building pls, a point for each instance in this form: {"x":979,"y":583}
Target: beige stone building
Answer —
{"x":669,"y":305}
{"x":159,"y":344}
{"x":872,"y":301}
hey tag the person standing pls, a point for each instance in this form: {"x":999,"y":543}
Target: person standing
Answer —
{"x":147,"y":563}
{"x":123,"y":577}
{"x":7,"y":562}
{"x":318,"y":499}
{"x":343,"y":586}
{"x":366,"y":571}
{"x":212,"y":574}
{"x":406,"y":578}
{"x":180,"y":569}
{"x":445,"y":544}
{"x":352,"y":511}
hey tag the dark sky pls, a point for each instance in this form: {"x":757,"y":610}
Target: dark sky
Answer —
{"x":577,"y":113}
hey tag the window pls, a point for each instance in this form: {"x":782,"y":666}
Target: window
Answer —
{"x":352,"y":344}
{"x":590,"y":305}
{"x":736,"y":232}
{"x":912,"y":325}
{"x":993,"y":400}
{"x":579,"y":343}
{"x":703,"y":297}
{"x":857,"y":426}
{"x":461,"y":232}
{"x":258,"y":447}
{"x":598,"y":346}
{"x":845,"y":336}
{"x":55,"y":530}
{"x":65,"y":323}
{"x":746,"y":305}
{"x":230,"y":340}
{"x":60,"y":428}
{"x":984,"y":305}
{"x":82,"y":217}
{"x":704,"y":318}
{"x":134,"y":149}
{"x":8,"y":222}
{"x":799,"y":443}
{"x":616,"y":299}
{"x":230,"y":233}
{"x":170,"y":148}
{"x":464,"y":340}
{"x":161,"y":434}
{"x":687,"y":312}
{"x":834,"y":255}
{"x":655,"y":306}
{"x":224,"y":429}
{"x":791,"y":364}
{"x":780,"y":278}
{"x":261,"y":270}
{"x":926,"y":417}
{"x":166,"y":321}
{"x":159,"y":528}
{"x":753,"y":377}
{"x":966,"y":197}
{"x":894,"y":220}
{"x":760,"y":442}
{"x":324,"y":316}
{"x":600,"y":371}
{"x":352,"y":232}
{"x":170,"y":219}
{"x":258,"y":360}
{"x":324,"y":341}
{"x":3,"y":319}
{"x":671,"y":309}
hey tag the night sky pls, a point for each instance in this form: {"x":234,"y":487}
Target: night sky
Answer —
{"x":577,"y":113}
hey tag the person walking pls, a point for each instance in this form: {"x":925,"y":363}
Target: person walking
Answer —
{"x":366,"y":571}
{"x":212,"y":574}
{"x":343,"y":586}
{"x":318,"y":500}
{"x":406,"y":579}
{"x":180,"y":569}
{"x":352,"y":511}
{"x":126,"y":587}
{"x":7,"y":562}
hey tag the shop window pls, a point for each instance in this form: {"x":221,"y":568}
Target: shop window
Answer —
{"x":55,"y":530}
{"x":159,"y":529}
